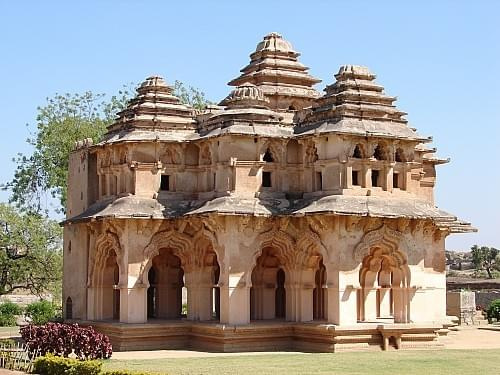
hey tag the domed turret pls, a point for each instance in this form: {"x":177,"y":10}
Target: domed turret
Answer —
{"x":274,"y":42}
{"x":246,"y":95}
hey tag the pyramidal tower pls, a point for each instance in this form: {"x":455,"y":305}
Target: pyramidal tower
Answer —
{"x":275,"y":69}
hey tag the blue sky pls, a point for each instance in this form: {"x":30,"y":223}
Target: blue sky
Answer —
{"x":441,"y":58}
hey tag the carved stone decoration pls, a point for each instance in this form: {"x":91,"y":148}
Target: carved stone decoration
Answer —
{"x":205,"y":155}
{"x":439,"y":262}
{"x":106,"y":244}
{"x":384,"y":238}
{"x":311,"y":153}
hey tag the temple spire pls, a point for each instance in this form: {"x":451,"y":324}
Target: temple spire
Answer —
{"x":154,"y":107}
{"x":275,"y":69}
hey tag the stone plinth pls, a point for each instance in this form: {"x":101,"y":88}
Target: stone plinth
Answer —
{"x":267,"y":336}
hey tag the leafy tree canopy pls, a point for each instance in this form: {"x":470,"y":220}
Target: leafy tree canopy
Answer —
{"x":485,"y":258}
{"x":64,"y":120}
{"x":30,"y":252}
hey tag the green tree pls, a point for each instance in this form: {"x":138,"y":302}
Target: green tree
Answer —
{"x":64,"y":120}
{"x":485,"y":258}
{"x":30,"y":252}
{"x":191,"y":95}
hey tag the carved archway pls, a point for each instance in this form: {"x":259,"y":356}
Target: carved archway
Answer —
{"x":384,"y":276}
{"x":199,"y":266}
{"x":281,"y":261}
{"x":104,"y":279}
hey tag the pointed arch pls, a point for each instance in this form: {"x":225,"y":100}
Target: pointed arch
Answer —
{"x":178,"y":242}
{"x":106,"y":245}
{"x":385,"y":238}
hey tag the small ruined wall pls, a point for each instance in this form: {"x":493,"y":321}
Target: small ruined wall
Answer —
{"x":461,"y":304}
{"x":484,"y":297}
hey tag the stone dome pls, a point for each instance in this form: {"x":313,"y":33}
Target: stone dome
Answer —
{"x":356,"y":71}
{"x":154,"y":83}
{"x":275,"y":42}
{"x":246,"y":95}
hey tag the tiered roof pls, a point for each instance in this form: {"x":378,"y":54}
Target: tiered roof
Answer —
{"x":275,"y":68}
{"x":356,"y":104}
{"x":154,"y":108}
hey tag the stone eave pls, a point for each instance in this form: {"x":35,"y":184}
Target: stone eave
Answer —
{"x":436,"y":161}
{"x":346,"y":126}
{"x":129,"y":207}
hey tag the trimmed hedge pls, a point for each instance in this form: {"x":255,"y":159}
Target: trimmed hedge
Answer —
{"x":52,"y":365}
{"x":127,"y":372}
{"x":64,"y":339}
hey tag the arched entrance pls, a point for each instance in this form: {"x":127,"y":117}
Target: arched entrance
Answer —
{"x":319,"y":295}
{"x":183,"y":284}
{"x":384,"y":287}
{"x":166,"y":280}
{"x":105,"y":297}
{"x":268,"y":294}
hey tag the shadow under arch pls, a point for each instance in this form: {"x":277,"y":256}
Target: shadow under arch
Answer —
{"x":191,"y":262}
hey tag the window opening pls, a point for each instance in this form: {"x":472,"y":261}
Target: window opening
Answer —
{"x":357,"y":152}
{"x":319,"y":181}
{"x":355,"y":178}
{"x":165,"y":182}
{"x":266,"y":179}
{"x":399,"y":157}
{"x":395,"y":180}
{"x":268,"y":157}
{"x":69,"y":308}
{"x":375,"y":178}
{"x":378,"y":153}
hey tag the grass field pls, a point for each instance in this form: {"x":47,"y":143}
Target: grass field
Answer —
{"x":442,"y":362}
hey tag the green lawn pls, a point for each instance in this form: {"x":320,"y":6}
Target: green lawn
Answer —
{"x":442,"y":362}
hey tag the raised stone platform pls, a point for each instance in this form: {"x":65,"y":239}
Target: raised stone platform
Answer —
{"x":267,"y":336}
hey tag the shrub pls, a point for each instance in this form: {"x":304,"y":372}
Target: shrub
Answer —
{"x":8,"y":312}
{"x":52,"y":365}
{"x":127,"y":372}
{"x":40,"y":312}
{"x":64,"y":339}
{"x":493,"y":311}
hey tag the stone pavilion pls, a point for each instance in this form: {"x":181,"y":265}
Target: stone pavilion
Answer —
{"x":281,"y":218}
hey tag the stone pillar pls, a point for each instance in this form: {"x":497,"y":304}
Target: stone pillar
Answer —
{"x":400,"y":305}
{"x":235,"y":301}
{"x":367,"y":177}
{"x":389,"y":177}
{"x":133,"y":296}
{"x":306,"y":295}
{"x":342,"y":297}
{"x":91,"y":303}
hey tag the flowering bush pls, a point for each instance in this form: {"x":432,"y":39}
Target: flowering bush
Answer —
{"x":64,"y":339}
